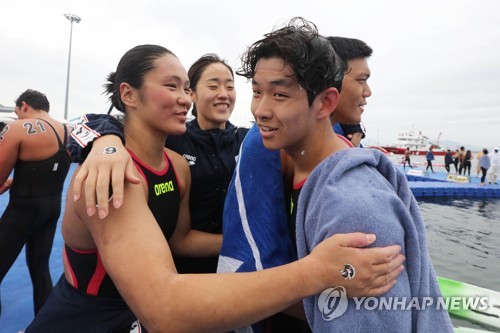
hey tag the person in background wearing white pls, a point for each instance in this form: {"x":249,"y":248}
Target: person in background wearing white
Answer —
{"x":494,"y":166}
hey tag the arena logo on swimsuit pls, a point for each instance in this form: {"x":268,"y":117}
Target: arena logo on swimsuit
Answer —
{"x":163,"y":188}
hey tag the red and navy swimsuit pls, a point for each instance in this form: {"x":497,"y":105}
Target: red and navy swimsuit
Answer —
{"x":93,"y":304}
{"x":86,"y":268}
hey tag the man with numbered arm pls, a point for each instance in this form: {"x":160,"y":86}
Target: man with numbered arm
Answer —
{"x":34,"y":147}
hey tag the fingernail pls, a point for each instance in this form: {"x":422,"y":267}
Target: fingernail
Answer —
{"x":102,"y":213}
{"x":90,"y":211}
{"x":370,"y":238}
{"x":75,"y":197}
{"x":117,"y":203}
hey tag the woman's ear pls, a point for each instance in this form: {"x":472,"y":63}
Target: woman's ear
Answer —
{"x":128,"y":94}
{"x":329,"y":99}
{"x":192,"y":95}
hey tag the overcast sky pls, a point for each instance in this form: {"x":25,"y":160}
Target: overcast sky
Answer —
{"x":435,"y":66}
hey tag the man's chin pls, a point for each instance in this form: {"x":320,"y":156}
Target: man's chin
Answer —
{"x":270,"y":145}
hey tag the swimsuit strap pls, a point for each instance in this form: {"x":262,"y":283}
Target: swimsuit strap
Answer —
{"x":61,"y":144}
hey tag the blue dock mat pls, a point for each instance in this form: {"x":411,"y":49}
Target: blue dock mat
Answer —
{"x":437,"y":184}
{"x":422,"y":189}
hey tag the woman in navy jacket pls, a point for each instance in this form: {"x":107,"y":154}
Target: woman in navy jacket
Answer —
{"x":210,"y":145}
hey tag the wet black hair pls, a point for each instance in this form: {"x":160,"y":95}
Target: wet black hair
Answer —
{"x":132,"y":68}
{"x":35,"y":99}
{"x":312,"y":58}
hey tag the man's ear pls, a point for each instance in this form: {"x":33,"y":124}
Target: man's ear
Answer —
{"x":23,"y":110}
{"x":329,"y":99}
{"x":128,"y":94}
{"x":24,"y":107}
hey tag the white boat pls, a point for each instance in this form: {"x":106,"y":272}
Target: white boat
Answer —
{"x":418,"y":143}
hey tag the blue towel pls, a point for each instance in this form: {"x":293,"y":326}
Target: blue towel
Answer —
{"x":255,"y":217}
{"x":255,"y":225}
{"x":361,"y":191}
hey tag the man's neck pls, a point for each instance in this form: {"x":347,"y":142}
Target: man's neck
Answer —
{"x":317,"y":148}
{"x":32,"y":113}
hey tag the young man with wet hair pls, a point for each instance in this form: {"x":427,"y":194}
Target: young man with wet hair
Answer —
{"x":293,"y":108}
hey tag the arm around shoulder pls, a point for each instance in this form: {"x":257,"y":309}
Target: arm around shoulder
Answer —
{"x":166,"y":301}
{"x":90,"y":128}
{"x":108,"y":164}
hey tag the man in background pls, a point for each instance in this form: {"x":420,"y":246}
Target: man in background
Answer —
{"x":34,"y":146}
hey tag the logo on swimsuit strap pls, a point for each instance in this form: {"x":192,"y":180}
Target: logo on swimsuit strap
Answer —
{"x":190,"y":159}
{"x":163,"y":188}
